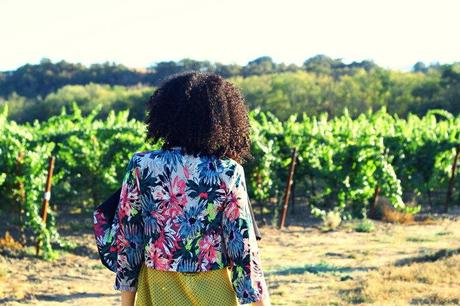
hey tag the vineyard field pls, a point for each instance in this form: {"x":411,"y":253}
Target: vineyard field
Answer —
{"x":344,"y":163}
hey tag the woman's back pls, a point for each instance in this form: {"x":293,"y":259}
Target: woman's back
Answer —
{"x":187,"y":213}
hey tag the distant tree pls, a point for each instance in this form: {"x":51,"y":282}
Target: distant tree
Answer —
{"x":450,"y":84}
{"x":420,"y":67}
{"x":282,"y":67}
{"x":259,"y":66}
{"x":366,"y":65}
{"x":322,"y":64}
{"x":228,"y":71}
{"x":162,"y":70}
{"x":188,"y":64}
{"x":440,"y":89}
{"x":325,"y":65}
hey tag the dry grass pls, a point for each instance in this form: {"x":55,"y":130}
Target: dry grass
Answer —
{"x":393,"y":265}
{"x":11,"y":288}
{"x":433,"y":283}
{"x":8,"y":243}
{"x":309,"y":267}
{"x":388,"y":213}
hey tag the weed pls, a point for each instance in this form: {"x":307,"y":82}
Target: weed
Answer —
{"x":420,"y":239}
{"x":365,"y":226}
{"x":444,"y":233}
{"x":98,"y":267}
{"x":3,"y":271}
{"x":331,"y":221}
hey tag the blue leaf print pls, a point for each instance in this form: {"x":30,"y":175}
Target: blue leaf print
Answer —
{"x":191,"y":221}
{"x":210,"y":169}
{"x":234,"y":239}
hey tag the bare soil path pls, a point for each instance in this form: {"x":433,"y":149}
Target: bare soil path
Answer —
{"x":303,"y":266}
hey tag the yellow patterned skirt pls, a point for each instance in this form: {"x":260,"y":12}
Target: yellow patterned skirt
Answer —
{"x":175,"y":288}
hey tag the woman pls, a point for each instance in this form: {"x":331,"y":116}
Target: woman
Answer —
{"x":185,"y":234}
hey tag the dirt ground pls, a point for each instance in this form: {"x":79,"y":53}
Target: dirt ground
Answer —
{"x":303,"y":266}
{"x":75,"y":278}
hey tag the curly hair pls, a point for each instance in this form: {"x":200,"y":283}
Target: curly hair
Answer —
{"x":201,"y":113}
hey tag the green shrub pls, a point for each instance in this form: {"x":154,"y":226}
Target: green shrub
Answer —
{"x":365,"y":226}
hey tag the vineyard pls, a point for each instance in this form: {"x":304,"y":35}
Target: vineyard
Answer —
{"x":344,"y":163}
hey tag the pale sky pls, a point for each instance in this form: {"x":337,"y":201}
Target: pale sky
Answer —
{"x":137,"y":33}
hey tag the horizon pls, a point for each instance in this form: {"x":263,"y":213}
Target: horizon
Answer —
{"x":408,"y":68}
{"x":394,"y":35}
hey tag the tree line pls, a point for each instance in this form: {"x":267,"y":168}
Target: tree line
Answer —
{"x":321,"y":84}
{"x":46,"y":77}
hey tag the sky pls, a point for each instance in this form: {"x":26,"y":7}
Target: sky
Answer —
{"x":138,"y":33}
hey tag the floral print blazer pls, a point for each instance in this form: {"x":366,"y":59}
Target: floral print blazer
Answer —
{"x":186,"y":213}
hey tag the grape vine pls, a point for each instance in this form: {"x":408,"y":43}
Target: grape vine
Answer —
{"x":343,"y":161}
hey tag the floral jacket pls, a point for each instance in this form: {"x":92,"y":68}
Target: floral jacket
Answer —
{"x":185,"y":213}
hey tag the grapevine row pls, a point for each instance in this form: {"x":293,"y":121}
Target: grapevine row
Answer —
{"x":343,"y":161}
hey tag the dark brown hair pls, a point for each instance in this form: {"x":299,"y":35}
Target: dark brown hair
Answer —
{"x":202,"y":113}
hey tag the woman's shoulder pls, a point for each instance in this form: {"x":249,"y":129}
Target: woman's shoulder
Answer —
{"x":143,"y":158}
{"x":231,"y":164}
{"x":225,"y":164}
{"x":151,"y":153}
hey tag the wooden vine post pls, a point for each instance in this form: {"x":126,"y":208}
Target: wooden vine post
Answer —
{"x":288,"y":186}
{"x":450,"y":188}
{"x":373,"y":208}
{"x":46,"y":197}
{"x":21,"y":195}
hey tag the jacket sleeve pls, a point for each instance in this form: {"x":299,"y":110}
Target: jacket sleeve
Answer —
{"x":241,"y":245}
{"x":129,"y":234}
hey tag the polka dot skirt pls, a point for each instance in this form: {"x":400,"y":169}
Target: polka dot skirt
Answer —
{"x":176,"y":288}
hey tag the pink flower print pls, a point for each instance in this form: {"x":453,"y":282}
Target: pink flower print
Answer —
{"x":124,"y":207}
{"x":168,"y":238}
{"x":122,"y":261}
{"x":173,"y":210}
{"x":99,"y":223}
{"x":208,"y":247}
{"x":203,"y":195}
{"x":133,"y":194}
{"x":129,"y":195}
{"x":178,"y":191}
{"x":186,"y":173}
{"x":159,"y":193}
{"x":176,"y":198}
{"x":122,"y":242}
{"x":157,"y":258}
{"x":124,"y":211}
{"x":232,"y":211}
{"x":171,"y":198}
{"x":158,"y":216}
